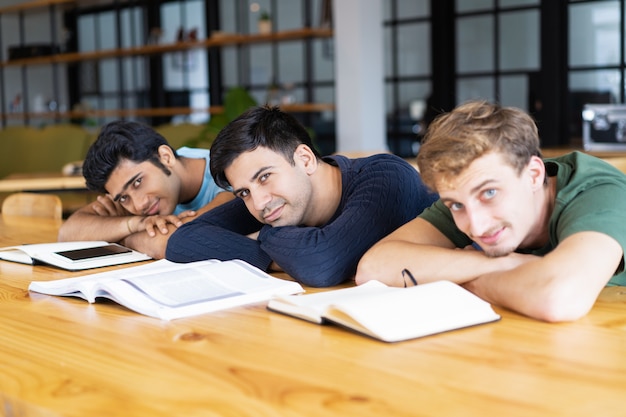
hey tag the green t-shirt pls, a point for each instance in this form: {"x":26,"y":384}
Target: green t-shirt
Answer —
{"x":591,"y":196}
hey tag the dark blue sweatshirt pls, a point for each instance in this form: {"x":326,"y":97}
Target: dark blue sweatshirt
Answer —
{"x":379,"y":194}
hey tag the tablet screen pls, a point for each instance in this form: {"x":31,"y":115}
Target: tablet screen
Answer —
{"x":90,"y":253}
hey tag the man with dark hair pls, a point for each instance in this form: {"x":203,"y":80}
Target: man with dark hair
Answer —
{"x":150,"y":189}
{"x":309,"y":216}
{"x":551,"y":232}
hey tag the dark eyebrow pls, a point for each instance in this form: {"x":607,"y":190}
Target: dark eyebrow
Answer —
{"x":128,"y":183}
{"x":254,"y":177}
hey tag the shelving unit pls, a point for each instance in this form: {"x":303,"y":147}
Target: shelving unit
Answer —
{"x":218,"y":40}
{"x":213,"y":42}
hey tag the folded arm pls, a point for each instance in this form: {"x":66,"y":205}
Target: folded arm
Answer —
{"x":105,"y":219}
{"x":560,"y":286}
{"x":221,"y":233}
{"x":328,"y":255}
{"x":429,"y":256}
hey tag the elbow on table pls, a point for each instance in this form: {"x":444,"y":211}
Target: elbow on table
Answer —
{"x":368,"y":269}
{"x":562,"y":306}
{"x":314,"y":277}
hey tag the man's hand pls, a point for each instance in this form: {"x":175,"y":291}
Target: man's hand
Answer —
{"x":154,"y":224}
{"x":105,"y":206}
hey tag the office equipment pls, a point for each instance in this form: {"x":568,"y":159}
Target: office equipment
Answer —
{"x":57,"y":254}
{"x":604,"y":127}
{"x":169,"y":290}
{"x":391,"y":314}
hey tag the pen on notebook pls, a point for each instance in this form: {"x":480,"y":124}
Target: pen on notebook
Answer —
{"x":405,"y":273}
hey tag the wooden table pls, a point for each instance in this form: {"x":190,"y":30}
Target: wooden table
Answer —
{"x":64,"y":357}
{"x":42,"y":182}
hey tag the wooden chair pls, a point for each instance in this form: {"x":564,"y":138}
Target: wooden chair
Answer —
{"x":33,"y":205}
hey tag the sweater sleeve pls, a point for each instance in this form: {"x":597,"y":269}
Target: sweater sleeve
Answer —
{"x":378,"y":197}
{"x":219,"y":234}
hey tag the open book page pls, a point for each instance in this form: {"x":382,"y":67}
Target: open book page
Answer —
{"x":51,"y":254}
{"x":312,"y":307}
{"x":169,"y":290}
{"x":395,"y":314}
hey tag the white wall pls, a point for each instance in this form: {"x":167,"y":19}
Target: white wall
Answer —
{"x":359,"y":77}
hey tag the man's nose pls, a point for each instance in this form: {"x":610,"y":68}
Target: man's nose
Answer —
{"x":141,"y":203}
{"x":260,"y":200}
{"x":478,"y":219}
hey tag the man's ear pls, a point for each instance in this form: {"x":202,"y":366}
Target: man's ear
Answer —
{"x":166,"y":155}
{"x":304,"y":155}
{"x":537,"y":170}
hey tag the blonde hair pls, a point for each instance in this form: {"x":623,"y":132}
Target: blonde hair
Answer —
{"x":455,"y":139}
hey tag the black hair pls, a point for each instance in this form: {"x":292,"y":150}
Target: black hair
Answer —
{"x":258,"y":126}
{"x":121,"y":140}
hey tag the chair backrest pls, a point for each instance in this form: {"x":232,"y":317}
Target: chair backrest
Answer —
{"x":33,"y":205}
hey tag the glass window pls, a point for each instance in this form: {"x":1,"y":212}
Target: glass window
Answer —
{"x":261,"y":68}
{"x":475,"y":44}
{"x":288,"y":15}
{"x":228,"y":11}
{"x":87,"y":38}
{"x":181,"y":19}
{"x":413,"y":8}
{"x":412,"y":95}
{"x":594,"y":33}
{"x":106,"y":33}
{"x":291,"y":62}
{"x":473,"y":5}
{"x":108,"y":75}
{"x":414,"y":49}
{"x":475,"y":88}
{"x":230,"y":67}
{"x":323,"y":62}
{"x":519,"y":40}
{"x":600,"y":81}
{"x":516,"y":3}
{"x":132,"y":27}
{"x":514,"y":91}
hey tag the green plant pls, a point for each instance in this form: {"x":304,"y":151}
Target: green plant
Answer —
{"x":264,"y":15}
{"x":236,"y":101}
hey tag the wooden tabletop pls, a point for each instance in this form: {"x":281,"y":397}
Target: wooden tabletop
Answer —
{"x":42,"y":182}
{"x":64,"y":357}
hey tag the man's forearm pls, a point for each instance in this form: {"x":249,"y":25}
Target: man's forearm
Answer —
{"x":82,"y":226}
{"x":387,"y":261}
{"x":153,"y":246}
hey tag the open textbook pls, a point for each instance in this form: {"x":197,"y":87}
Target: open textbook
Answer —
{"x":169,"y":290}
{"x":391,"y":314}
{"x":72,"y":256}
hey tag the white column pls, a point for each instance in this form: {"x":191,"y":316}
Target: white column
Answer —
{"x":359,"y":75}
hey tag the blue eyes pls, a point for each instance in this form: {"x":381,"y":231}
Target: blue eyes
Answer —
{"x":490,"y":193}
{"x":485,"y":195}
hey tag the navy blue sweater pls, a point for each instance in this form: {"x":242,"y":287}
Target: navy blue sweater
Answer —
{"x":380,"y":193}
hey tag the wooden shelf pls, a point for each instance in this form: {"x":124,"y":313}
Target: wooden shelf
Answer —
{"x":159,"y":112}
{"x":35,"y":4}
{"x":214,"y":41}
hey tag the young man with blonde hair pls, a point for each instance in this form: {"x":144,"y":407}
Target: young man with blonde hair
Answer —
{"x":540,"y":237}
